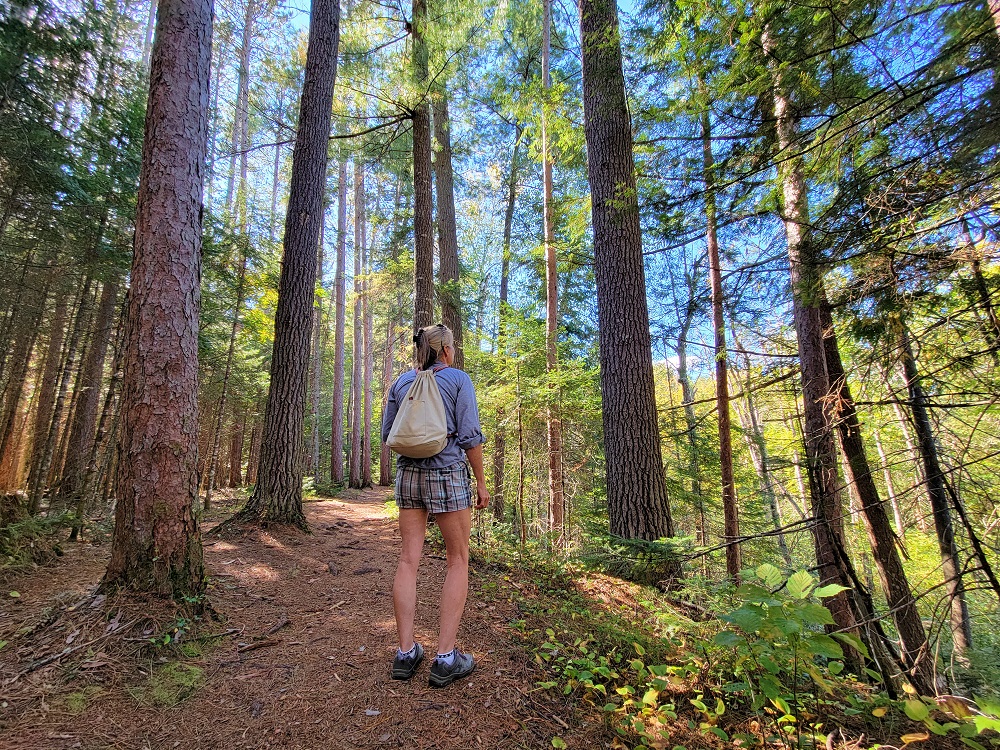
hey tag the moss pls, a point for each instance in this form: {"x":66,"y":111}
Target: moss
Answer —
{"x":76,"y":703}
{"x":170,"y":684}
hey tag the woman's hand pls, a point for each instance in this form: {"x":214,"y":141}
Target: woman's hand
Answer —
{"x":482,"y":495}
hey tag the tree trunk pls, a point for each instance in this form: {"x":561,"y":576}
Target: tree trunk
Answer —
{"x":449,"y":280}
{"x":690,"y":418}
{"x":499,"y":436}
{"x":84,"y":425}
{"x":37,"y":489}
{"x":807,"y":294}
{"x":357,"y":330}
{"x":890,"y":489}
{"x":317,"y":360}
{"x":423,"y":199}
{"x":730,"y":509}
{"x":369,"y":366}
{"x":147,"y":44}
{"x":917,"y":657}
{"x":277,"y":497}
{"x":241,"y":116}
{"x":213,"y":462}
{"x":340,"y":294}
{"x":961,"y":628}
{"x":236,"y":449}
{"x":638,"y":505}
{"x":157,"y":545}
{"x":385,"y":455}
{"x":553,"y":419}
{"x":45,"y":402}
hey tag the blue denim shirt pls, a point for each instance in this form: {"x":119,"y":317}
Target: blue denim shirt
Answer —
{"x":459,"y":399}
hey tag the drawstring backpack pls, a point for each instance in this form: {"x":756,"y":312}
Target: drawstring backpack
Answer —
{"x":420,"y":429}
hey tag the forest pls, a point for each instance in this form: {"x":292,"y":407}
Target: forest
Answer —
{"x":724,"y":275}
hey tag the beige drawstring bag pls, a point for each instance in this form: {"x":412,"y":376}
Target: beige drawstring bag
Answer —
{"x":420,"y":429}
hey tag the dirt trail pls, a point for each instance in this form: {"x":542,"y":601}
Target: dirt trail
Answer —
{"x":305,"y":663}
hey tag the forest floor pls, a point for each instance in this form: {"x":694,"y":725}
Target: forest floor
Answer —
{"x":297,"y":654}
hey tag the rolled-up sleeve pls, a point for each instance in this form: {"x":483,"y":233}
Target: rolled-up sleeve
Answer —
{"x":389,"y":413}
{"x":467,"y":429}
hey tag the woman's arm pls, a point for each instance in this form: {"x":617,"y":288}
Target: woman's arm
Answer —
{"x":475,"y":456}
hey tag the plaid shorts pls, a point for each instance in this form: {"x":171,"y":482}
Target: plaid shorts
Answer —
{"x":435,"y":490}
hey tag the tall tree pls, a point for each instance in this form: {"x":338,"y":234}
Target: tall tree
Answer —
{"x":156,"y":545}
{"x":729,"y":505}
{"x":553,"y":420}
{"x":357,"y":333}
{"x":449,"y":282}
{"x":277,"y":496}
{"x":423,"y":198}
{"x":339,"y":336}
{"x":638,"y":505}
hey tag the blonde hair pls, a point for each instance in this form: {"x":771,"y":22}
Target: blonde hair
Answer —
{"x":430,"y":341}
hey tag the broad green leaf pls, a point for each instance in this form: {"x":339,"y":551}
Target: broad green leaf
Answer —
{"x":800,"y":584}
{"x":815,"y":614}
{"x":727,"y":639}
{"x":829,"y":590}
{"x":916,"y":710}
{"x":769,"y":575}
{"x":824,"y":645}
{"x":854,"y":642}
{"x":746,"y":618}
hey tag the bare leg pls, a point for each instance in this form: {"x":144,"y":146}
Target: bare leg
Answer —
{"x":412,"y":525}
{"x":455,"y":528}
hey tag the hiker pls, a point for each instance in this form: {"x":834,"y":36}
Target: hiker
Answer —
{"x":440,"y":485}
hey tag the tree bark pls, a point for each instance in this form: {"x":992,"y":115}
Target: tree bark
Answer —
{"x":241,"y":115}
{"x":807,"y":294}
{"x":499,"y":435}
{"x":449,"y":270}
{"x":316,"y":378}
{"x":951,"y":567}
{"x":157,"y":545}
{"x":553,"y":421}
{"x":369,"y":366}
{"x":277,"y":497}
{"x":45,"y":402}
{"x":357,"y":334}
{"x":423,"y":199}
{"x":340,"y":303}
{"x":84,"y":424}
{"x":730,"y":509}
{"x":917,"y":659}
{"x":638,"y":504}
{"x":236,"y":449}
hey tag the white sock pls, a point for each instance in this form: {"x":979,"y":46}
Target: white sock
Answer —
{"x":407,"y":654}
{"x":447,"y":659}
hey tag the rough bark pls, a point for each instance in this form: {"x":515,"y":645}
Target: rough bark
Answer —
{"x":637,"y":493}
{"x":157,"y":545}
{"x":340,"y":310}
{"x":729,"y":503}
{"x":890,"y":489}
{"x":277,"y":496}
{"x":316,"y":369}
{"x":951,"y":567}
{"x":449,"y":288}
{"x":916,"y":654}
{"x":423,"y":199}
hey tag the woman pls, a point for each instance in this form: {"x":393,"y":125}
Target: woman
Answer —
{"x":439,"y":485}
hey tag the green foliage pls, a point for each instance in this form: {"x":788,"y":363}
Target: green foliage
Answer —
{"x":31,"y":541}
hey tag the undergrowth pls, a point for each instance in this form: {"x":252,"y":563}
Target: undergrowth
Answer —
{"x":757,"y":668}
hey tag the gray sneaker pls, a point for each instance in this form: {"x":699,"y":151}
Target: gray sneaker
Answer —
{"x":404,"y":667}
{"x":443,"y":675}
